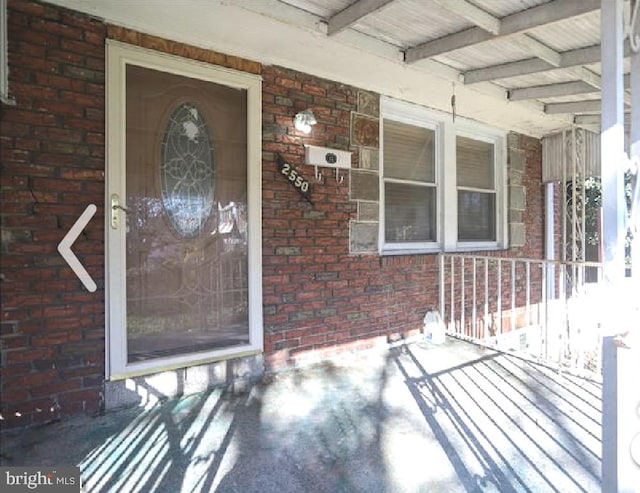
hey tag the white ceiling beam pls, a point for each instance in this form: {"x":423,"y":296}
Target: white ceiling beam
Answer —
{"x":546,"y":13}
{"x":540,"y":50}
{"x":492,"y":24}
{"x":473,"y":14}
{"x":353,"y":13}
{"x":550,"y":91}
{"x":556,"y":90}
{"x":586,"y":75}
{"x":590,"y":106}
{"x":506,"y":70}
{"x":595,"y":80}
{"x":571,"y":58}
{"x":596,"y":119}
{"x":517,"y":23}
{"x":447,"y":43}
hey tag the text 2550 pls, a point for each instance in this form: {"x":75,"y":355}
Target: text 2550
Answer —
{"x":294,"y":177}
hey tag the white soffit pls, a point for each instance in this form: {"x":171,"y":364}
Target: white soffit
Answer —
{"x":272,"y":32}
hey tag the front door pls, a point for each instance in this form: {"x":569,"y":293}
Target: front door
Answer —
{"x":180,"y":221}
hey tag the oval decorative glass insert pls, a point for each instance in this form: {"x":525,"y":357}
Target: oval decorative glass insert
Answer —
{"x":187,"y":171}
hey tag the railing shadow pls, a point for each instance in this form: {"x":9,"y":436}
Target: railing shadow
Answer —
{"x":497,"y":433}
{"x":417,"y":418}
{"x":319,"y":433}
{"x":313,"y":430}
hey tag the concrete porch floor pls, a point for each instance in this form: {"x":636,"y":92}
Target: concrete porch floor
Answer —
{"x":416,"y":418}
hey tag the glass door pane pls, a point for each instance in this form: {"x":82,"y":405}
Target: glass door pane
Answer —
{"x":186,"y":219}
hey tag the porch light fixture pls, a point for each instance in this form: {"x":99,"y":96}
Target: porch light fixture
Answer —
{"x":304,"y":120}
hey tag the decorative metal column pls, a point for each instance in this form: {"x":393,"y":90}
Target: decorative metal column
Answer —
{"x":634,"y":145}
{"x":631,"y":356}
{"x":620,"y":394}
{"x":612,"y":149}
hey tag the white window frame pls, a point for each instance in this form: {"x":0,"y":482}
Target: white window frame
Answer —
{"x":412,"y":115}
{"x":5,"y":97}
{"x":484,"y":133}
{"x":119,"y":55}
{"x":446,"y":179}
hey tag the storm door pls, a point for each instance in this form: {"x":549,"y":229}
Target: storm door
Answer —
{"x":182,"y":264}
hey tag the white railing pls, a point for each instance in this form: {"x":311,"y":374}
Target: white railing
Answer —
{"x":546,"y":309}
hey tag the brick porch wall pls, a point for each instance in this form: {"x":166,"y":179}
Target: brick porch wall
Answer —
{"x":53,"y":151}
{"x":319,"y":298}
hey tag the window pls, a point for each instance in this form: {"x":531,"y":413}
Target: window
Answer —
{"x":409,"y":183}
{"x":442,"y":183}
{"x":475,"y":170}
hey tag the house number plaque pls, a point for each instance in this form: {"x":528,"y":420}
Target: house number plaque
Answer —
{"x":296,"y":179}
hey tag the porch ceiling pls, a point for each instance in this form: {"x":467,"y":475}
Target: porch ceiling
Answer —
{"x":514,"y":64}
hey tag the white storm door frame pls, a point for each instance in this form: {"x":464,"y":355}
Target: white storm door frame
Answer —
{"x":119,"y":55}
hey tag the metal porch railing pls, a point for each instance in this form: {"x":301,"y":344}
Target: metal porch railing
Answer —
{"x":549,"y":310}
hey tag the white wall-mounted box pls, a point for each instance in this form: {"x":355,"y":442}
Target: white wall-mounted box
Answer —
{"x":326,"y":157}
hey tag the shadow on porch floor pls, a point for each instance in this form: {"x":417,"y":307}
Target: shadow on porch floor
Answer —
{"x":417,"y":418}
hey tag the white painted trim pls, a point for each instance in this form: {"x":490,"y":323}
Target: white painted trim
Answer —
{"x":449,"y":224}
{"x":498,"y":138}
{"x":5,"y":98}
{"x":447,"y":192}
{"x":615,"y":457}
{"x":400,"y":111}
{"x":118,"y":56}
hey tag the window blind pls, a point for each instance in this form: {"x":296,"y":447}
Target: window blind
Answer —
{"x":475,"y":163}
{"x":409,"y":152}
{"x":476,"y":190}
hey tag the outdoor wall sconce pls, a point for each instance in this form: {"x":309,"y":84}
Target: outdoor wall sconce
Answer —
{"x":304,"y":120}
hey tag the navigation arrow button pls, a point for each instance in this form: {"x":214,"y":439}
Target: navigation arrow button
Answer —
{"x":64,"y":247}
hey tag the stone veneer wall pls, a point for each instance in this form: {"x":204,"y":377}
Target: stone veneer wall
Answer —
{"x":365,"y":184}
{"x":516,"y":159}
{"x":365,"y":188}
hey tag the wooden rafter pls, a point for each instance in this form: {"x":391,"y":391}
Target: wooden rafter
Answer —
{"x":550,"y":91}
{"x":520,"y":22}
{"x":588,"y":106}
{"x":555,"y":90}
{"x":473,"y":14}
{"x":596,"y":119}
{"x":571,"y":58}
{"x":353,"y":13}
{"x":517,"y":23}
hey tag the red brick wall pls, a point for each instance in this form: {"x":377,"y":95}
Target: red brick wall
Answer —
{"x":533,"y":218}
{"x":52,"y":144}
{"x":535,"y":211}
{"x":318,"y":298}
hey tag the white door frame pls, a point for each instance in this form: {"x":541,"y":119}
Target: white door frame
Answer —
{"x":119,"y":55}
